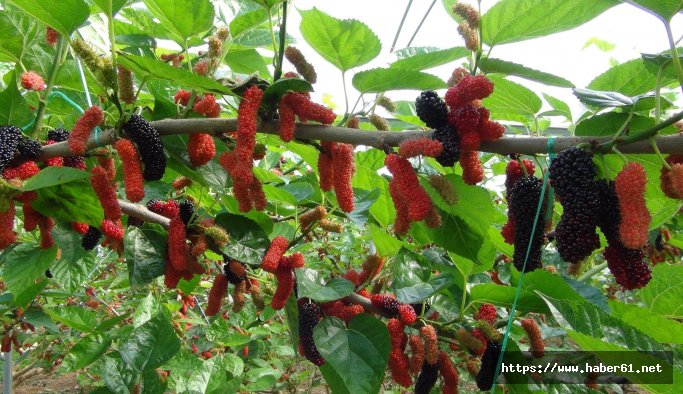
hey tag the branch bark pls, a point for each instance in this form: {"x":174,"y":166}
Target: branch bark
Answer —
{"x":508,"y":145}
{"x":141,"y":212}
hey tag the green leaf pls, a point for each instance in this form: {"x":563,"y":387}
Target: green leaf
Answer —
{"x":490,"y":293}
{"x":386,"y":244}
{"x":19,"y":32}
{"x":292,"y":313}
{"x":607,"y":124}
{"x":545,"y":283}
{"x":385,"y":79}
{"x":220,"y":332}
{"x":246,"y":61}
{"x":345,"y":43}
{"x":666,"y":9}
{"x":517,"y":20}
{"x":586,"y":318}
{"x":183,"y":18}
{"x":422,"y":58}
{"x":278,"y":89}
{"x":247,"y":21}
{"x":151,"y":344}
{"x":664,"y":293}
{"x":310,"y":285}
{"x":248,"y":241}
{"x":511,"y":98}
{"x":115,"y":5}
{"x":74,"y":317}
{"x":24,"y":264}
{"x":491,"y":65}
{"x":52,"y":176}
{"x":86,"y":351}
{"x":144,"y":67}
{"x":602,"y":99}
{"x":658,"y":327}
{"x":75,"y":264}
{"x":455,"y":235}
{"x":632,"y":78}
{"x":65,"y":16}
{"x":362,"y":202}
{"x":117,"y":375}
{"x":355,"y":358}
{"x":70,"y":202}
{"x":412,"y":278}
{"x":14,"y":108}
{"x":145,"y":249}
{"x":559,"y":105}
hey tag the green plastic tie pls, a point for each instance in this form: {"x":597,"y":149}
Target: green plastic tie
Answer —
{"x":551,"y":143}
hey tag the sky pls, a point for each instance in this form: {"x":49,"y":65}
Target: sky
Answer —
{"x":631,"y":30}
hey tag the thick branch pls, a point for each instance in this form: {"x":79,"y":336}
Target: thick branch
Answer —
{"x":378,"y":139}
{"x":142,"y":213}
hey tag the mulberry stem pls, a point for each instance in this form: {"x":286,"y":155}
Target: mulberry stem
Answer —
{"x":60,"y":54}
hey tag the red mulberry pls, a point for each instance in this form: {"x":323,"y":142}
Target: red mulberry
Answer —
{"x":419,"y":147}
{"x":402,"y":221}
{"x":132,"y":171}
{"x":304,"y":107}
{"x":112,"y":230}
{"x":399,"y":365}
{"x":407,"y":314}
{"x":23,"y":171}
{"x":635,"y":218}
{"x":472,"y":171}
{"x":285,"y":286}
{"x":176,"y":244}
{"x":465,"y":119}
{"x":246,"y":134}
{"x":419,"y":202}
{"x":344,"y":167}
{"x":51,"y":36}
{"x":277,"y":248}
{"x":218,"y":291}
{"x":417,"y":353}
{"x":326,"y":166}
{"x":470,"y":87}
{"x":387,"y":305}
{"x":487,"y":312}
{"x":80,"y":228}
{"x":287,"y":121}
{"x":676,"y":176}
{"x":7,"y":234}
{"x":182,"y":97}
{"x":449,"y":374}
{"x":31,"y":80}
{"x":201,"y":149}
{"x":429,"y":337}
{"x":181,"y":182}
{"x":491,"y":131}
{"x":91,"y":118}
{"x":149,"y":145}
{"x":469,"y":142}
{"x":208,"y":106}
{"x":106,"y":193}
{"x":533,"y":332}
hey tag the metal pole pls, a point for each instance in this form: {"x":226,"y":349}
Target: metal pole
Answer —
{"x":7,"y":373}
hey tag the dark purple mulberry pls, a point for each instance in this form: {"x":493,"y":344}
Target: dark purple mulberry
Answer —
{"x":451,"y":145}
{"x":431,"y":109}
{"x":309,"y":316}
{"x":524,"y":197}
{"x":91,"y":238}
{"x":489,"y":362}
{"x":9,"y":139}
{"x":28,"y":149}
{"x":427,"y":378}
{"x":58,"y":135}
{"x":186,"y":211}
{"x":149,"y":146}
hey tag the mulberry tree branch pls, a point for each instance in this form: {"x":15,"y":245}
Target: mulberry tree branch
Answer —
{"x":141,"y":212}
{"x":379,"y":139}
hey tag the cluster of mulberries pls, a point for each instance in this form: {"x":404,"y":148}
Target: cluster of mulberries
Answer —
{"x":488,"y":313}
{"x":411,"y":200}
{"x":391,"y":307}
{"x":201,"y":149}
{"x":433,"y":111}
{"x":533,"y":332}
{"x":28,"y":149}
{"x":336,"y":167}
{"x":168,"y":209}
{"x":489,"y":362}
{"x":177,"y":247}
{"x":106,"y":193}
{"x":22,"y":172}
{"x":629,"y":266}
{"x":342,"y":310}
{"x":671,"y":179}
{"x":420,"y":147}
{"x":399,"y":364}
{"x":635,"y":218}
{"x":513,"y":172}
{"x":571,"y":176}
{"x":9,"y":139}
{"x":91,"y":118}
{"x":59,"y":135}
{"x":417,"y":353}
{"x":309,"y":316}
{"x":302,"y":66}
{"x":524,"y":200}
{"x":132,"y":170}
{"x":218,"y":291}
{"x":283,"y":267}
{"x":277,"y":249}
{"x":430,"y":339}
{"x":113,"y":230}
{"x":182,"y":97}
{"x":287,"y":120}
{"x":207,"y":106}
{"x":31,"y":80}
{"x":149,"y":146}
{"x":306,"y":109}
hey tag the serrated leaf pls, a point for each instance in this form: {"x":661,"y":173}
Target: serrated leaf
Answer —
{"x":183,"y":18}
{"x":412,"y":278}
{"x":74,"y":317}
{"x":248,"y":241}
{"x":658,"y":327}
{"x":355,"y":357}
{"x":70,"y":202}
{"x":517,"y":20}
{"x":490,"y":293}
{"x":511,"y":98}
{"x":607,"y":124}
{"x":310,"y":285}
{"x":52,"y":176}
{"x":346,"y":43}
{"x":86,"y":351}
{"x":425,"y":58}
{"x":602,"y":99}
{"x":152,"y":68}
{"x":491,"y":65}
{"x":145,"y":250}
{"x":23,"y":265}
{"x":247,"y":21}
{"x":632,"y":78}
{"x":150,"y":345}
{"x":14,"y":108}
{"x":65,"y":16}
{"x":386,"y":79}
{"x":665,"y":291}
{"x":665,"y":9}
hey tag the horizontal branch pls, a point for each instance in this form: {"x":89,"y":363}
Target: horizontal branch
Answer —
{"x":378,"y":139}
{"x":141,"y":212}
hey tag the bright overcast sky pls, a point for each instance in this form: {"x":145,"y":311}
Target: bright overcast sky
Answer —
{"x":630,"y":29}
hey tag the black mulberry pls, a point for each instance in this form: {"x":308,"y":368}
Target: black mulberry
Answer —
{"x":149,"y":145}
{"x":186,"y":211}
{"x":58,"y":135}
{"x":431,"y":109}
{"x":28,"y":149}
{"x":9,"y":139}
{"x":91,"y":238}
{"x":524,"y":198}
{"x":451,"y":145}
{"x":386,"y":304}
{"x":489,"y":362}
{"x":427,"y":378}
{"x":231,"y":276}
{"x":309,"y":316}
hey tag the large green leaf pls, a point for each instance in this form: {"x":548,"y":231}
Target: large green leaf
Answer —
{"x":183,"y":18}
{"x":511,"y":98}
{"x":491,"y":65}
{"x":117,"y":375}
{"x":87,"y":350}
{"x":65,"y":16}
{"x":607,"y":124}
{"x":356,"y":357}
{"x":586,"y":318}
{"x":385,"y":79}
{"x":310,"y":285}
{"x":247,"y":21}
{"x":490,"y":293}
{"x":70,"y":202}
{"x":110,"y":7}
{"x":151,"y":344}
{"x":23,"y":265}
{"x":152,"y":68}
{"x":422,"y":58}
{"x":666,"y":9}
{"x":145,"y":251}
{"x":632,"y":78}
{"x":517,"y":20}
{"x":19,"y":32}
{"x":75,"y":317}
{"x":664,"y":293}
{"x":248,"y":241}
{"x":52,"y":176}
{"x":345,"y":43}
{"x":455,"y":235}
{"x":658,"y":327}
{"x":75,"y":264}
{"x":14,"y":108}
{"x":413,"y":281}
